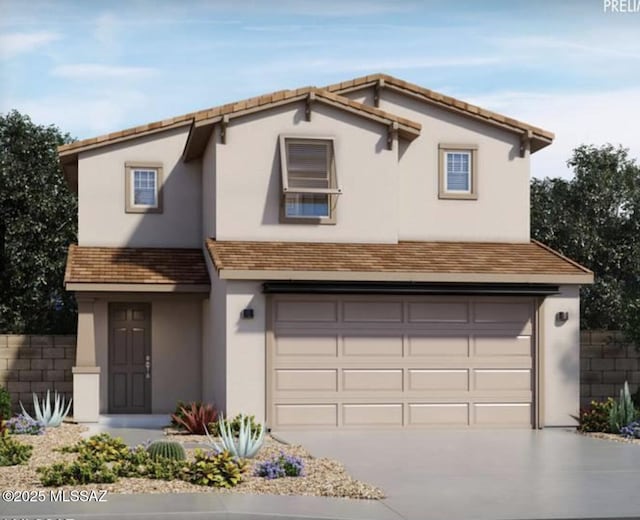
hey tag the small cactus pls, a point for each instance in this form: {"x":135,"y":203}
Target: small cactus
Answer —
{"x":166,"y":450}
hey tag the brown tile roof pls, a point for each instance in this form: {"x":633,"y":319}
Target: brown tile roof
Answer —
{"x":135,"y":265}
{"x":404,"y":257}
{"x":236,"y":108}
{"x":440,"y":99}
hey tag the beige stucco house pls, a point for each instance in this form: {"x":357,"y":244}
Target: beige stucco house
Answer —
{"x":353,"y":256}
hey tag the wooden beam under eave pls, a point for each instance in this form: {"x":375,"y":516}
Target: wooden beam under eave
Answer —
{"x":525,"y":143}
{"x":307,"y":109}
{"x":224,"y":122}
{"x":377,"y":88}
{"x":392,"y":134}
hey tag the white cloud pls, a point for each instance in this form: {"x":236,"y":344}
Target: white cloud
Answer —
{"x":98,"y":113}
{"x":14,"y":44}
{"x":95,"y":71}
{"x":576,"y":118}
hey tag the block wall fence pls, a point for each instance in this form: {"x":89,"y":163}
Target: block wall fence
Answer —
{"x":36,"y":364}
{"x":40,"y":363}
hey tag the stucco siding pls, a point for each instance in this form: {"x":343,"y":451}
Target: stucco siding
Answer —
{"x":209,"y":190}
{"x":214,"y":343}
{"x":246,"y":350}
{"x":248,"y":185}
{"x":501,"y":211}
{"x":560,"y":345}
{"x":102,"y":220}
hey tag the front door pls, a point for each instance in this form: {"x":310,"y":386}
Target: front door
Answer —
{"x":129,"y":358}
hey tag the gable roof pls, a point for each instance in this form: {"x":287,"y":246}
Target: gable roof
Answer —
{"x":530,"y":262}
{"x":539,"y":137}
{"x":89,"y":267}
{"x":213,"y":115}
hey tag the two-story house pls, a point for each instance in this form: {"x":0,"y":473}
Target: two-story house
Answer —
{"x":351,"y":256}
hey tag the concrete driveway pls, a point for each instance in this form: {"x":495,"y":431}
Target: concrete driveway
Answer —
{"x":487,"y":474}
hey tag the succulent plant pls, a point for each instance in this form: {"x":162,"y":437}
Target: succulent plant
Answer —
{"x":623,"y":411}
{"x":166,"y":450}
{"x":50,"y":416}
{"x":195,"y":417}
{"x":245,"y":446}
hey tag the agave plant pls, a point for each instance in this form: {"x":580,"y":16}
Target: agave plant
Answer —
{"x":623,"y":410}
{"x":50,"y":416}
{"x":245,"y":446}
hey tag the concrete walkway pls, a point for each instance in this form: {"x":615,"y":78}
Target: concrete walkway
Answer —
{"x":444,"y":475}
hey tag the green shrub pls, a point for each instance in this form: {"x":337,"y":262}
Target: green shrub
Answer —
{"x":235,"y":423}
{"x":215,"y":470}
{"x":166,"y":450}
{"x":596,"y":417}
{"x":13,"y":452}
{"x":5,"y":403}
{"x":102,"y":447}
{"x":138,"y":463}
{"x":623,"y":411}
{"x":82,"y":471}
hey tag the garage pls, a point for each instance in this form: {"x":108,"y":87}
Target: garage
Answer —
{"x":363,"y":361}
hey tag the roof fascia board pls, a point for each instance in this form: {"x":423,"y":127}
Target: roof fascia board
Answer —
{"x":246,"y":274}
{"x":137,"y":287}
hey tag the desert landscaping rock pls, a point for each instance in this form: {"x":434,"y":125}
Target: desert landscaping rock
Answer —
{"x":322,"y":477}
{"x":611,"y":437}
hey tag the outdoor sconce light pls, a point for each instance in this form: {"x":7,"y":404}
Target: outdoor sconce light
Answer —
{"x":562,"y":316}
{"x":247,"y":314}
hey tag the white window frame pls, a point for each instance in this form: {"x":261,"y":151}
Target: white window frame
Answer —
{"x":445,"y":150}
{"x":130,"y":174}
{"x":287,"y":191}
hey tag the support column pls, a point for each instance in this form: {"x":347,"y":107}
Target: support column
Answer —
{"x":86,"y":374}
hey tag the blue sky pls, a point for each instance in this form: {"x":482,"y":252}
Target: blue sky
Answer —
{"x":92,"y":67}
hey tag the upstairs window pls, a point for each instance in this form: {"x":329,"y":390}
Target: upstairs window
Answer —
{"x":143,"y":183}
{"x":457,"y":172}
{"x":309,"y":182}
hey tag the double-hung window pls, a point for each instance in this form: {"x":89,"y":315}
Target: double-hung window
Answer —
{"x":309,"y":182}
{"x":143,"y":183}
{"x":457,"y":175}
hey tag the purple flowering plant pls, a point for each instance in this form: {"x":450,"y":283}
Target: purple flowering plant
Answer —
{"x":281,"y":466}
{"x":24,"y":425}
{"x":632,"y":430}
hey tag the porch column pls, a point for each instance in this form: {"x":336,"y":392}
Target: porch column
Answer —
{"x":86,"y":374}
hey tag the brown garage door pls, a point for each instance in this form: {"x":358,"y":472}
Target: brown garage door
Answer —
{"x":361,"y":362}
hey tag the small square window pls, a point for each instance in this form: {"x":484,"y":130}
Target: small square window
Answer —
{"x":143,"y":183}
{"x":457,"y":172}
{"x":309,"y":182}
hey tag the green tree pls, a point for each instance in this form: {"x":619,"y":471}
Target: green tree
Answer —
{"x":37,"y":224}
{"x":594,"y":218}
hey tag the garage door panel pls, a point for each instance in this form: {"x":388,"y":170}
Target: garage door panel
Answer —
{"x":372,"y":346}
{"x":457,"y":346}
{"x":306,"y":380}
{"x":502,"y":380}
{"x":497,"y":345}
{"x":438,"y":380}
{"x":287,"y":415}
{"x":308,"y":311}
{"x":438,"y":414}
{"x":434,"y":312}
{"x":485,"y":312}
{"x":372,"y":380}
{"x":290,"y":345}
{"x":375,"y":414}
{"x":502,"y":414}
{"x":373,"y":311}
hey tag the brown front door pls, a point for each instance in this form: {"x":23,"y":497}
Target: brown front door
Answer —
{"x":129,"y":358}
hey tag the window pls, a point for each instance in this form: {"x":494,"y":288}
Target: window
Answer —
{"x":143,"y":183}
{"x":457,"y":172}
{"x":308,"y":180}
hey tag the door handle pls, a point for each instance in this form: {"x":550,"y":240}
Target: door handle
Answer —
{"x":147,"y":365}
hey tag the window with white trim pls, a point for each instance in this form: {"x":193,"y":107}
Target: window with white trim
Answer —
{"x":458,"y":172}
{"x":143,"y":187}
{"x":309,"y":182}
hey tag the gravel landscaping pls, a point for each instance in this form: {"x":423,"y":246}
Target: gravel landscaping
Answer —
{"x":611,"y":437}
{"x":322,"y":477}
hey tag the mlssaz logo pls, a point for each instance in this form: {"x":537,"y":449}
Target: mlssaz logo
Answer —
{"x":621,"y":6}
